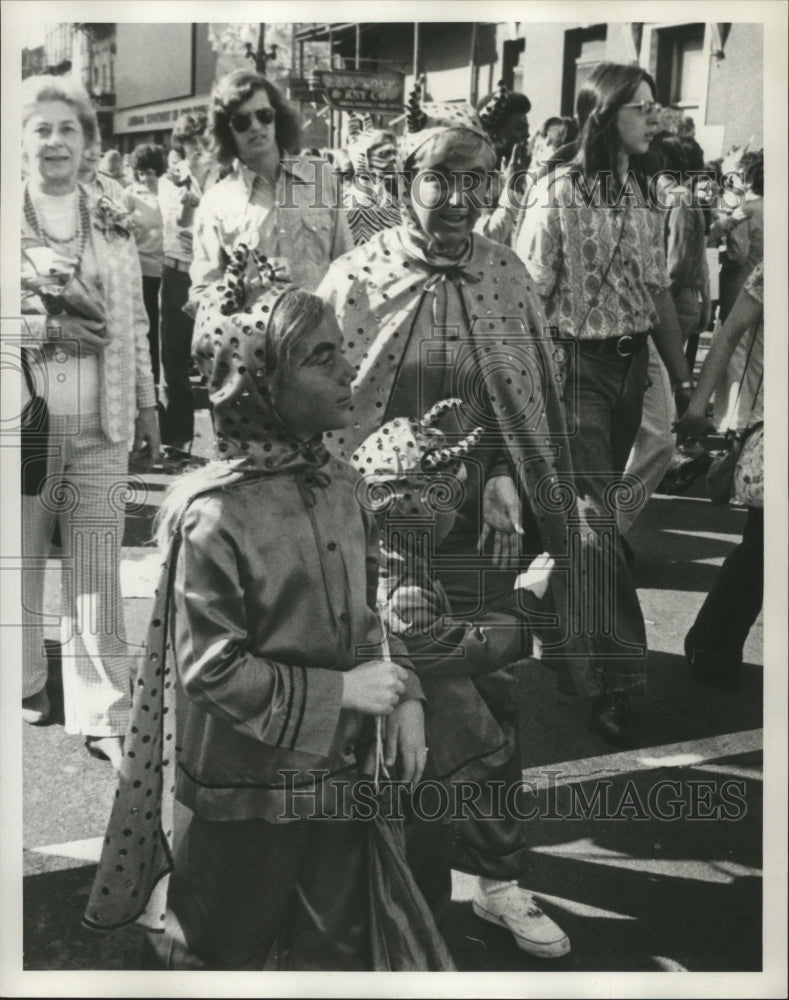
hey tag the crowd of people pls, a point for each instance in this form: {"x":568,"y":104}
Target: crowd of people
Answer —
{"x":438,"y":366}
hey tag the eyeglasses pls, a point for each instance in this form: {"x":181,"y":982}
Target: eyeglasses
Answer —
{"x":241,"y":121}
{"x":648,"y":107}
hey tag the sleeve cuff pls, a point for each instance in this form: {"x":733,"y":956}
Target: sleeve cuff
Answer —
{"x":314,"y":711}
{"x":146,"y":394}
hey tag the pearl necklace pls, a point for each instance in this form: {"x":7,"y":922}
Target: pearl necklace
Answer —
{"x":80,"y":236}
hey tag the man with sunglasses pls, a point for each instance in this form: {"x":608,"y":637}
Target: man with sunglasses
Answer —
{"x":285,"y":206}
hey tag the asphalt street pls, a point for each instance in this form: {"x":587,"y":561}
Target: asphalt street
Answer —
{"x":650,"y":859}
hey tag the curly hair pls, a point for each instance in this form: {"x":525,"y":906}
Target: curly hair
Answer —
{"x":148,"y":157}
{"x":189,"y":127}
{"x":229,"y":93}
{"x":514,"y":103}
{"x":752,"y":166}
{"x":60,"y":88}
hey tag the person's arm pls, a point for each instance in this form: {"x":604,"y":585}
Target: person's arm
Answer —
{"x":144,"y":384}
{"x":147,"y":440}
{"x":208,"y":258}
{"x":441,"y":647}
{"x":501,"y":501}
{"x":679,"y":237}
{"x":539,"y":242}
{"x":738,"y":238}
{"x":341,"y":239}
{"x":744,"y":314}
{"x":276,"y":703}
{"x":668,"y":341}
{"x":704,"y":291}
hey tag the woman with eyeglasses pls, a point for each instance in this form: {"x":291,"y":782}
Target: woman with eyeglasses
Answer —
{"x":285,"y":206}
{"x":87,"y":357}
{"x":593,"y":245}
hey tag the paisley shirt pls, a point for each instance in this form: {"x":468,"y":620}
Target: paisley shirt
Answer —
{"x":596,"y":267}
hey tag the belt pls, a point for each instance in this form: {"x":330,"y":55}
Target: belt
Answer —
{"x":177,"y":265}
{"x":624,"y":346}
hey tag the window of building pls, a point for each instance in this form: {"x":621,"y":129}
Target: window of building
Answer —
{"x":681,"y":65}
{"x":584,"y":48}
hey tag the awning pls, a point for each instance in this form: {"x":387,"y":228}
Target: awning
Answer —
{"x":322,"y":32}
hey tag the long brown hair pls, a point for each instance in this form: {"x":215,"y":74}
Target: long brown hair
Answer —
{"x":608,"y":87}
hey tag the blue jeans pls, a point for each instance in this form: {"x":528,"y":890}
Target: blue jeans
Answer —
{"x":603,"y":399}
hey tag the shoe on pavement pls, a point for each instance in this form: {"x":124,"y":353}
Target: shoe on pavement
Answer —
{"x":36,"y":708}
{"x":611,"y":718}
{"x":513,"y":908}
{"x":106,"y":748}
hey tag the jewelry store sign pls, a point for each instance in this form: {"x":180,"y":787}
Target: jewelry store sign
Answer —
{"x":152,"y":117}
{"x":359,"y":91}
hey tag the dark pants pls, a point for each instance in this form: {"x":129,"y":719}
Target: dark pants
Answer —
{"x":489,"y":840}
{"x":178,"y":408}
{"x":150,"y":294}
{"x":495,"y":848}
{"x":735,"y":600}
{"x":238,"y":886}
{"x":603,"y":399}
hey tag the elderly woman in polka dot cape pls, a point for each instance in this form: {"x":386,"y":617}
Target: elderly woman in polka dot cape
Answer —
{"x":430,"y":310}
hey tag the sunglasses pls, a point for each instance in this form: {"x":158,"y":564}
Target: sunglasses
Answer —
{"x":241,"y":121}
{"x":648,"y":107}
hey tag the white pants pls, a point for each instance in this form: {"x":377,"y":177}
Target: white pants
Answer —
{"x":653,"y":448}
{"x":85,"y":492}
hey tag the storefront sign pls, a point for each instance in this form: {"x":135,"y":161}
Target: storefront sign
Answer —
{"x":358,"y":91}
{"x":152,"y":117}
{"x":300,"y":89}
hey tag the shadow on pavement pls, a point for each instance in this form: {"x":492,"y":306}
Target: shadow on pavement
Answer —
{"x":54,"y":937}
{"x":674,"y":535}
{"x":637,"y":893}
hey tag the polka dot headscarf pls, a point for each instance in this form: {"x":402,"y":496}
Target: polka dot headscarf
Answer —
{"x":424,"y":121}
{"x":236,"y":349}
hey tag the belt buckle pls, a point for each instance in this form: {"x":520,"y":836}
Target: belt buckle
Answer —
{"x":621,"y":342}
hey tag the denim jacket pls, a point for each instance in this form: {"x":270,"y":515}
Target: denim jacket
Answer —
{"x":300,"y":222}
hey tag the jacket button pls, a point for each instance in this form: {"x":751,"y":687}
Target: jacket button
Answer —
{"x":331,"y":546}
{"x":344,"y":617}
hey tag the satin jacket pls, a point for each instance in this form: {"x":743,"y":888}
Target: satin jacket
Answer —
{"x":274,"y":596}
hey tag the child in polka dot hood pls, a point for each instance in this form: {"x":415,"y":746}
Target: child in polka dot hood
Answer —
{"x":264,"y":669}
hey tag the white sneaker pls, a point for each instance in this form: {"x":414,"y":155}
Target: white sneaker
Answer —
{"x":509,"y":906}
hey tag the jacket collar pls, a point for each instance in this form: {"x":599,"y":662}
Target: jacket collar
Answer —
{"x":296,"y":165}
